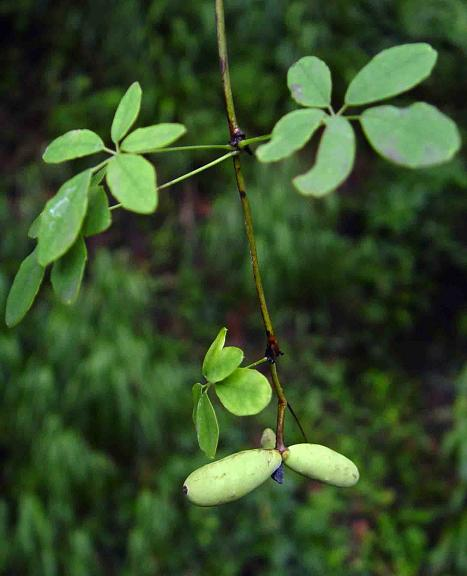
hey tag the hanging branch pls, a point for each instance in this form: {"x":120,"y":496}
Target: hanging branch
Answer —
{"x":236,"y":137}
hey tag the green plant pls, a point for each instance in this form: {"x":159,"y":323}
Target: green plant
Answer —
{"x":415,"y":136}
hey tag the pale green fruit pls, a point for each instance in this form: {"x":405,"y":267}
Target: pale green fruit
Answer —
{"x":268,"y":438}
{"x":321,"y":463}
{"x":231,"y":478}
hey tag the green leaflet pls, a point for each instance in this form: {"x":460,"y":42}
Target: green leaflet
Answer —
{"x":219,"y":362}
{"x":244,"y":392}
{"x":309,"y":81}
{"x":62,"y":218}
{"x":67,"y":273}
{"x":98,"y":217}
{"x":152,"y":137}
{"x":391,"y":72}
{"x":98,"y":176}
{"x":73,"y":144}
{"x":132,"y":180}
{"x":417,"y":136}
{"x":207,"y":428}
{"x":290,"y":134}
{"x":24,"y":289}
{"x":127,"y":112}
{"x":33,"y":231}
{"x":196,"y":394}
{"x":334,"y":160}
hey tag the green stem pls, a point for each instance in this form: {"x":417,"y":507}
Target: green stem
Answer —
{"x":341,"y":110}
{"x":99,"y":166}
{"x":198,"y":170}
{"x":110,"y":151}
{"x":248,"y":141}
{"x":191,"y":148}
{"x":352,"y":117}
{"x":190,"y":174}
{"x":224,"y":65}
{"x":272,"y":344}
{"x":257,"y":363}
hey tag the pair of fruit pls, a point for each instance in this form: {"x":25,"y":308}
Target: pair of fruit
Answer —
{"x":232,"y":477}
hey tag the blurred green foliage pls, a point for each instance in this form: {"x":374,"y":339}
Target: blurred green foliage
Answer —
{"x":368,"y":290}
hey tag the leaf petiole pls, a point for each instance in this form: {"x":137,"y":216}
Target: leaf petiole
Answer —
{"x":200,"y":169}
{"x":99,"y":166}
{"x":253,"y":140}
{"x":258,"y":362}
{"x":184,"y":176}
{"x":191,"y":148}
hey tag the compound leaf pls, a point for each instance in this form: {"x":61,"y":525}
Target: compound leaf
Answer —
{"x":152,"y":137}
{"x":67,"y":273}
{"x":73,"y":144}
{"x":207,"y":428}
{"x":290,"y":134}
{"x":127,"y":112}
{"x":24,"y":289}
{"x":309,"y":81}
{"x":62,"y":218}
{"x":391,"y":72}
{"x":219,"y":362}
{"x":132,"y":180}
{"x":334,"y":160}
{"x":416,"y":136}
{"x":244,"y":392}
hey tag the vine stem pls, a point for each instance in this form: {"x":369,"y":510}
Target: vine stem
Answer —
{"x":272,"y":349}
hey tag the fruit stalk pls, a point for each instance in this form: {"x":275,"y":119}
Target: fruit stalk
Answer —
{"x":236,"y":135}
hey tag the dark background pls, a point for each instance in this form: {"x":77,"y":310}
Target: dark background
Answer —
{"x":368,"y":290}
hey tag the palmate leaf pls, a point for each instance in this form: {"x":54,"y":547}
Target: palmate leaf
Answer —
{"x":132,"y":181}
{"x":309,"y":81}
{"x":207,"y":428}
{"x":219,"y":362}
{"x":391,"y":72}
{"x":416,"y":136}
{"x":62,"y":218}
{"x":290,"y":134}
{"x":24,"y":289}
{"x":73,"y":144}
{"x":245,"y":392}
{"x":127,"y":112}
{"x":334,"y":160}
{"x":152,"y":137}
{"x":67,"y":273}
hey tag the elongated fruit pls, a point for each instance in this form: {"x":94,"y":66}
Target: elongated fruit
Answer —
{"x":232,"y":477}
{"x":321,"y":463}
